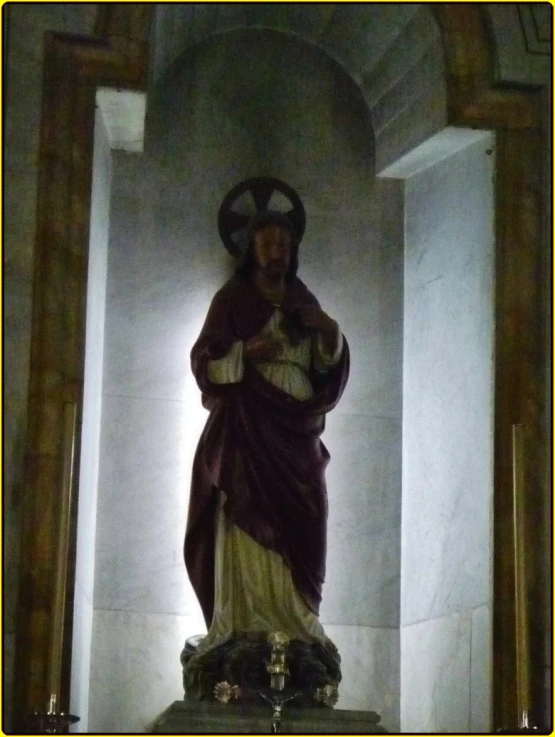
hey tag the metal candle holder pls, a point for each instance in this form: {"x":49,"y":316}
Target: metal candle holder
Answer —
{"x":51,"y":721}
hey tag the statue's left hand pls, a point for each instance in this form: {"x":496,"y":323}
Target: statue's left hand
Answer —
{"x":316,"y":319}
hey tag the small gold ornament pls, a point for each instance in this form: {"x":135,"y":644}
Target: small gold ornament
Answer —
{"x":277,"y":667}
{"x":224,"y":692}
{"x":278,"y":640}
{"x":327,"y":695}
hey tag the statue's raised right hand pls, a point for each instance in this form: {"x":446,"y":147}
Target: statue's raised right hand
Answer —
{"x":262,"y":348}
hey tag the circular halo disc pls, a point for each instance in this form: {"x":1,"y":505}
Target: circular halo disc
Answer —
{"x":251,"y":196}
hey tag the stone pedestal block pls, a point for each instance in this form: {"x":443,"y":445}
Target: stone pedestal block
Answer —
{"x":204,"y":717}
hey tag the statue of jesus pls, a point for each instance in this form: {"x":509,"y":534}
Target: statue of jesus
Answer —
{"x":270,"y":364}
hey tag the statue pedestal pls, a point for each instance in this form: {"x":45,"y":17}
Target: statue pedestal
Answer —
{"x":209,"y":717}
{"x":245,"y":662}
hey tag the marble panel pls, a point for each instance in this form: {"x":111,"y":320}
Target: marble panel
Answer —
{"x":163,"y":271}
{"x":358,"y":277}
{"x":364,"y":490}
{"x":435,"y":675}
{"x":447,"y":450}
{"x":448,"y":389}
{"x":164,"y":247}
{"x":167,"y":199}
{"x":81,"y":657}
{"x":147,"y":350}
{"x":374,"y":386}
{"x":481,"y":670}
{"x":441,"y":237}
{"x":370,"y":671}
{"x":88,"y":485}
{"x":94,"y":354}
{"x":135,"y":668}
{"x":85,"y":556}
{"x":137,"y":176}
{"x":147,"y":448}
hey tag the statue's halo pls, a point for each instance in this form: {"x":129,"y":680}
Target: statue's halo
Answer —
{"x":248,"y":198}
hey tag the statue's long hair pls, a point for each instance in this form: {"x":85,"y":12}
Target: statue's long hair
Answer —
{"x":259,"y":221}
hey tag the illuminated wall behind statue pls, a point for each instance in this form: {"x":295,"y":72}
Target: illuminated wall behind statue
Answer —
{"x":244,"y":104}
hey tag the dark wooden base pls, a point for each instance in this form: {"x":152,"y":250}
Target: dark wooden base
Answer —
{"x":242,"y":662}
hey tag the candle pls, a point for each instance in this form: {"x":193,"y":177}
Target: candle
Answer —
{"x":58,"y":613}
{"x":521,"y":610}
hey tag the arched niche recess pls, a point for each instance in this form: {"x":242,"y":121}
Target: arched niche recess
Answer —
{"x":118,"y":57}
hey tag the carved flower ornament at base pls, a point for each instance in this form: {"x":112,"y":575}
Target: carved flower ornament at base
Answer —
{"x":327,"y":695}
{"x":224,"y":692}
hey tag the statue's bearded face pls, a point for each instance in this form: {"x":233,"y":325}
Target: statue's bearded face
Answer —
{"x":272,"y":250}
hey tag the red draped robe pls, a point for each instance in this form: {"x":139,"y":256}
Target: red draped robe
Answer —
{"x":262,"y":448}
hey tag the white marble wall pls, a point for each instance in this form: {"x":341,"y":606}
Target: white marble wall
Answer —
{"x":370,"y":658}
{"x":165,"y":262}
{"x":135,"y":671}
{"x":90,"y":438}
{"x":446,"y":567}
{"x":446,"y":671}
